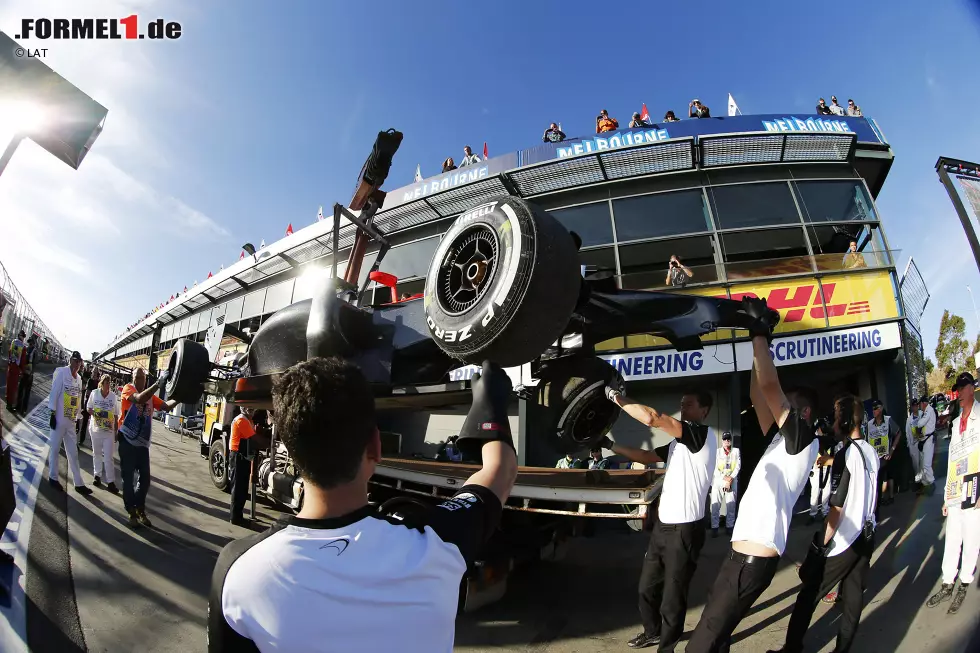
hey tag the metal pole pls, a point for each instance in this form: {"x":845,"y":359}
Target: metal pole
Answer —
{"x":954,"y":196}
{"x":9,"y":152}
{"x":975,"y":313}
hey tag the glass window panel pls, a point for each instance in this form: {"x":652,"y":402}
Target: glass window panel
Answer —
{"x":831,"y":245}
{"x":598,"y":260}
{"x":664,"y":214}
{"x":753,"y":205}
{"x":234,"y":311}
{"x":411,"y":260}
{"x":835,"y":201}
{"x":766,"y":252}
{"x":645,"y":265}
{"x":591,"y":222}
{"x":205,"y":320}
{"x":192,"y":323}
{"x":278,"y":296}
{"x":254,"y":302}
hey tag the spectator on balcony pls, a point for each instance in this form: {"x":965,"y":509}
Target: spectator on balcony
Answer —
{"x":853,"y":109}
{"x":553,"y":134}
{"x":697,"y":110}
{"x":448,"y":165}
{"x":670,"y":117}
{"x":823,"y":109}
{"x":603,"y":123}
{"x":678,"y":274}
{"x":835,"y":108}
{"x":637,"y":121}
{"x":853,"y":258}
{"x":469,"y":158}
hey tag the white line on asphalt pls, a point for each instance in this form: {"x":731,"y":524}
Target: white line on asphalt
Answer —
{"x":29,"y":453}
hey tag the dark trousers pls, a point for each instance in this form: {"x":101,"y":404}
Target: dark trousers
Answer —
{"x":850,"y":568}
{"x":135,"y":465}
{"x":8,"y":500}
{"x":24,"y":391}
{"x":239,"y":470}
{"x":738,"y":585}
{"x":668,"y":567}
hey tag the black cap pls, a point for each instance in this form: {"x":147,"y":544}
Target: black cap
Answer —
{"x":964,"y":379}
{"x":876,"y":403}
{"x":726,"y":435}
{"x":75,"y":356}
{"x":21,"y":334}
{"x":924,"y":399}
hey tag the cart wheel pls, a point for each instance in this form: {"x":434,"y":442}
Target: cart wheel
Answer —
{"x":503,"y":284}
{"x":572,"y":391}
{"x":189,"y":369}
{"x":218,"y":465}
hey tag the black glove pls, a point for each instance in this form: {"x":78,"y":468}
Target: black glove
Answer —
{"x":162,"y":378}
{"x":53,"y":423}
{"x":765,"y":319}
{"x":605,"y":442}
{"x":487,"y":420}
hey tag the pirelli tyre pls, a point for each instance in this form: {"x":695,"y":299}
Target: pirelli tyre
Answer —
{"x":503,"y":283}
{"x":572,"y":393}
{"x":189,"y":369}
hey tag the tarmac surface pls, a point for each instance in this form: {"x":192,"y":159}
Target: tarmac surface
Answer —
{"x":90,"y":583}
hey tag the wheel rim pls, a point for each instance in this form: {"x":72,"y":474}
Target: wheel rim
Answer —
{"x":218,"y":465}
{"x":467,"y":270}
{"x":595,"y":417}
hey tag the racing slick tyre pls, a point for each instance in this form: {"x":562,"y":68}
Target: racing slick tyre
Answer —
{"x":573,"y":392}
{"x":503,"y":283}
{"x":189,"y":369}
{"x":218,"y":465}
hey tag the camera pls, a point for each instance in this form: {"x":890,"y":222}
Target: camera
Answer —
{"x":673,"y":264}
{"x":824,"y":426}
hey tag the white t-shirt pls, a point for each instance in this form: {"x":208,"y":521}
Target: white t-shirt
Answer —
{"x":65,"y":397}
{"x":362,"y":582}
{"x":776,"y":483}
{"x":854,"y":489}
{"x":690,"y":461}
{"x":104,"y":411}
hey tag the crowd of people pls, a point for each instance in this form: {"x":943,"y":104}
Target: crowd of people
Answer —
{"x":835,"y":109}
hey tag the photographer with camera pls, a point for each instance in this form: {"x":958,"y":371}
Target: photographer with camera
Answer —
{"x":341,"y":575}
{"x":841,"y":551}
{"x":678,"y":274}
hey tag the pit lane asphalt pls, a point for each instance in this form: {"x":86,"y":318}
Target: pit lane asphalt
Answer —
{"x":100,"y":586}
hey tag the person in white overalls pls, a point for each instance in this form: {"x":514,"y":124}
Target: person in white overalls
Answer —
{"x":65,"y":401}
{"x":924,"y":446}
{"x":724,"y":485}
{"x":103,"y":410}
{"x":960,"y":506}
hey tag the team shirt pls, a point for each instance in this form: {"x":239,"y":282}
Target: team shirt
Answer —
{"x":690,"y":461}
{"x":241,"y":429}
{"x":65,"y":398}
{"x":361,"y":582}
{"x":882,"y":436}
{"x":136,"y":420}
{"x":854,"y":484}
{"x":103,"y":410}
{"x":776,"y":484}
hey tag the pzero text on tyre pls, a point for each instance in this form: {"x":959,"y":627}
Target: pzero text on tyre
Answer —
{"x":572,"y":392}
{"x":189,"y":369}
{"x":503,"y":283}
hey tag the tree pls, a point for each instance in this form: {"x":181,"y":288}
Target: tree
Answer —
{"x":937,"y":381}
{"x":929,"y":365}
{"x":952,"y":349}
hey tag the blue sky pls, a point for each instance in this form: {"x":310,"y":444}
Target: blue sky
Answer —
{"x":258,"y":115}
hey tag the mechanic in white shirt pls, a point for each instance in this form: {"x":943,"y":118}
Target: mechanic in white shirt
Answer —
{"x":760,"y":532}
{"x":65,"y":404}
{"x":103,"y":410}
{"x":841,"y":551}
{"x":340,"y":576}
{"x":678,"y":532}
{"x":960,"y":507}
{"x":925,"y":445}
{"x":724,"y":486}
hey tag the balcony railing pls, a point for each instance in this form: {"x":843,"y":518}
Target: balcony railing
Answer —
{"x":741,"y":271}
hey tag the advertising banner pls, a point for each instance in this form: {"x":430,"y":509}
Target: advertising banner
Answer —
{"x":578,"y":146}
{"x":825,"y":345}
{"x":448,"y":180}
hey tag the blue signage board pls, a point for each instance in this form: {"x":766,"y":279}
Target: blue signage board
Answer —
{"x":447,"y":180}
{"x":862,"y":127}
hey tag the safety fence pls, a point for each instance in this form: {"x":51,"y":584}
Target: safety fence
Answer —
{"x":19,"y":316}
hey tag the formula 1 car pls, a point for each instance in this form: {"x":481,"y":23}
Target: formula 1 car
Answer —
{"x":504,"y":284}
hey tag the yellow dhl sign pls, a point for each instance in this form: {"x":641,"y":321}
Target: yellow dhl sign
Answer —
{"x":803,"y":304}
